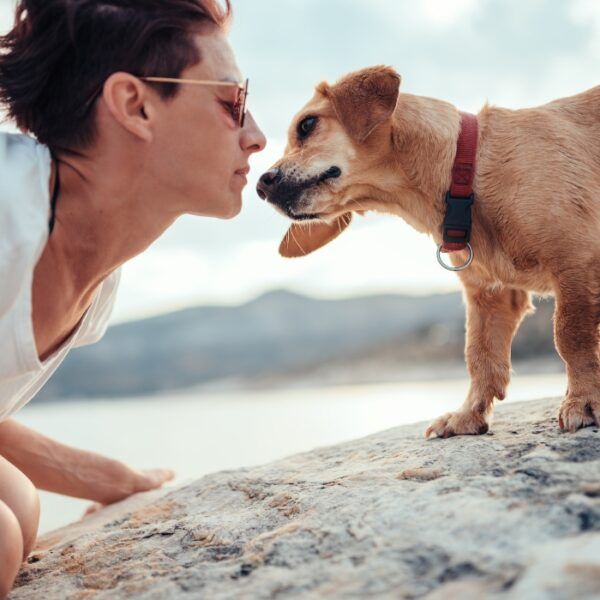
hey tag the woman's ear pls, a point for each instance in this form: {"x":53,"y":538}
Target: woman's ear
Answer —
{"x":303,"y":238}
{"x":125,"y":98}
{"x":364,"y":99}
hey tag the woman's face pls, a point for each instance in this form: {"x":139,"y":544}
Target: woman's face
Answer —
{"x":201,"y":154}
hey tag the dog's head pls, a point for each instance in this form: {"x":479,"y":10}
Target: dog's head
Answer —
{"x":327,"y":167}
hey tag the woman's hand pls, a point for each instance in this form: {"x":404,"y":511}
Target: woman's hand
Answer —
{"x":92,"y":508}
{"x":62,"y":469}
{"x":149,"y":479}
{"x":144,"y":480}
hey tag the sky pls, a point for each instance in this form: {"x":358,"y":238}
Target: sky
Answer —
{"x":507,"y":52}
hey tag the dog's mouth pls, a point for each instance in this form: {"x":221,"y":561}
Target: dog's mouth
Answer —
{"x":292,"y":196}
{"x":305,"y":217}
{"x":293,"y":209}
{"x":301,"y":216}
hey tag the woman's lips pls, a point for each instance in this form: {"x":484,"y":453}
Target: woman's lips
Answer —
{"x":241,"y":173}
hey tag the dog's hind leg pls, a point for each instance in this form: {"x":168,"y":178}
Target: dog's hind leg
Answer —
{"x":576,"y":319}
{"x":493,"y":316}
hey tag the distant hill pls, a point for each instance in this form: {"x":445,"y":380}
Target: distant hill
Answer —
{"x":277,"y":333}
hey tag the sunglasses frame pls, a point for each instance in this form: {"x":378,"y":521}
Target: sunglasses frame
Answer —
{"x":240,"y":100}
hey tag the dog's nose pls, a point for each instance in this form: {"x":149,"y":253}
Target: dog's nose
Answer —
{"x":267,"y":182}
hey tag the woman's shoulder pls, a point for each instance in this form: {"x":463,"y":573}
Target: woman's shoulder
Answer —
{"x":23,"y":152}
{"x":25,"y":167}
{"x":24,"y":208}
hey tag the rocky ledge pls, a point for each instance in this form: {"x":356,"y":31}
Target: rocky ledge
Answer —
{"x":514,"y":513}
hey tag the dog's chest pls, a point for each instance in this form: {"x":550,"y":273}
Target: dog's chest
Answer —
{"x":527,"y":273}
{"x":522,"y":272}
{"x":536,"y":283}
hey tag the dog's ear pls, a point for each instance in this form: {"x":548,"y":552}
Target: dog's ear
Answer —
{"x":303,"y":238}
{"x":364,"y":99}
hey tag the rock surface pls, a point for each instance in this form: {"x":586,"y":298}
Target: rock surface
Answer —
{"x":514,"y":513}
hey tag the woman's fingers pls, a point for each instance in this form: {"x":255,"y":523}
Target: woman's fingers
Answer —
{"x":146,"y":479}
{"x":153,"y":478}
{"x":143,"y":480}
{"x":92,"y":508}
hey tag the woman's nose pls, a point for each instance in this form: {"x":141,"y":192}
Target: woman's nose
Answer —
{"x":253,"y":139}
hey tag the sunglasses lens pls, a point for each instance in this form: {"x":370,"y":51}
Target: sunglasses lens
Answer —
{"x":242,"y":95}
{"x":239,"y":107}
{"x":242,"y":110}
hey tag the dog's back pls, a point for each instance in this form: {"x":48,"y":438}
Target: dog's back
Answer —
{"x":581,"y":109}
{"x":546,"y":151}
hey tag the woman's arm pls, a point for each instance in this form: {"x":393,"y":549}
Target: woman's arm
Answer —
{"x":62,"y":469}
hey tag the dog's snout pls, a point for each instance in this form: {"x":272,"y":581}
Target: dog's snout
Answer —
{"x":267,"y":183}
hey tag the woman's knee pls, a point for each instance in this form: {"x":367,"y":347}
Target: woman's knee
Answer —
{"x":11,"y":549}
{"x":28,"y":515}
{"x":21,"y":496}
{"x":29,"y":528}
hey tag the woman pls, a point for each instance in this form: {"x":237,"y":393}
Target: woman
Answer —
{"x":117,"y":157}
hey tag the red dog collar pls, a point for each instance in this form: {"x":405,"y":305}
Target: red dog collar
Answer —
{"x":456,"y":229}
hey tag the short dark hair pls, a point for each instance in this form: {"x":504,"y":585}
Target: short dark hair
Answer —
{"x":55,"y":59}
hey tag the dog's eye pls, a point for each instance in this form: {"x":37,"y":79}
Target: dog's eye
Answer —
{"x":306,"y":127}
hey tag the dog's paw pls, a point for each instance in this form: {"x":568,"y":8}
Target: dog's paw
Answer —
{"x":576,"y":412}
{"x":458,"y":423}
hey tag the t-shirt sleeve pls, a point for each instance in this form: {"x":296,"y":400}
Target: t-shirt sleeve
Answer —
{"x":19,"y":353}
{"x":24,"y":173}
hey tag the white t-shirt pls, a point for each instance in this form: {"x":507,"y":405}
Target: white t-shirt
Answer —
{"x":25,"y":210}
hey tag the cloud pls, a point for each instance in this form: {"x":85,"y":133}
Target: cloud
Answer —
{"x":586,"y":13}
{"x":440,"y":14}
{"x":446,"y":12}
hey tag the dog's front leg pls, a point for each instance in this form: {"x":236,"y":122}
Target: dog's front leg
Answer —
{"x":492,"y":320}
{"x":576,"y":318}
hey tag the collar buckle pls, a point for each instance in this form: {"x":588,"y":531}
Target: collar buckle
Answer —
{"x":456,"y":230}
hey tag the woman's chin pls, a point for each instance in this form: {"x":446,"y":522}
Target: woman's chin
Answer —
{"x":226,"y":208}
{"x":233,"y":207}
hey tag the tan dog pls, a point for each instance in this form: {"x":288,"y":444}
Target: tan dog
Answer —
{"x":362,"y":145}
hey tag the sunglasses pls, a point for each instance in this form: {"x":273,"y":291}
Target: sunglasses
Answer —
{"x":238,"y":109}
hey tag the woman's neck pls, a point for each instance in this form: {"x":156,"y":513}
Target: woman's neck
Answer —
{"x":100,"y":221}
